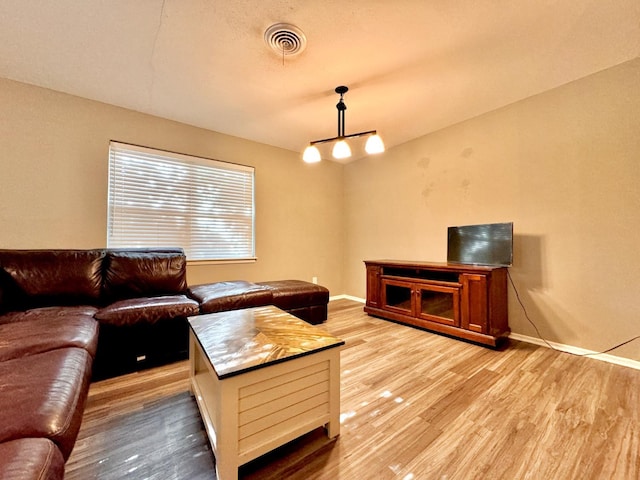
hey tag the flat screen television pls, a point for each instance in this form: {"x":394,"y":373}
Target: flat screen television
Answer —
{"x":488,"y":244}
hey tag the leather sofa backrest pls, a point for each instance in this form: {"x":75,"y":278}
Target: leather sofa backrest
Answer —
{"x":130,"y":273}
{"x":32,"y":278}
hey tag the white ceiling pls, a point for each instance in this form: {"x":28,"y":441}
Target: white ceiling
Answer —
{"x":412,"y":66}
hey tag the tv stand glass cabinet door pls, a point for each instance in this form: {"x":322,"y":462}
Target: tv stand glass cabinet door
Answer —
{"x":436,"y":302}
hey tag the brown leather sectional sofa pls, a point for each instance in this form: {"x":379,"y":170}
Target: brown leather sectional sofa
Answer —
{"x":67,"y":316}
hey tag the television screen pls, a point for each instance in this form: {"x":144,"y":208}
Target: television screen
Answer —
{"x":489,"y":244}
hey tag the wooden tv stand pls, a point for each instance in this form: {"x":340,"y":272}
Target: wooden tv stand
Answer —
{"x":464,"y":301}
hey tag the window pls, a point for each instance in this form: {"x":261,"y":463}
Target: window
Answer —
{"x":164,"y":199}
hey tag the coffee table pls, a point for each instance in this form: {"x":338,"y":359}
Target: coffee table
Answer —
{"x":261,"y":378}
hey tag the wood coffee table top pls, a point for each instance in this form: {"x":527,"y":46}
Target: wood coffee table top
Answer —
{"x":238,"y":341}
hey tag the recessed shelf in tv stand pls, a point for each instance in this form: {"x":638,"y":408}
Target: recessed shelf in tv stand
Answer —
{"x":464,"y":301}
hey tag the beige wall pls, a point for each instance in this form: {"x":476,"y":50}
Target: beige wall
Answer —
{"x":53,"y":179}
{"x":564,"y":166}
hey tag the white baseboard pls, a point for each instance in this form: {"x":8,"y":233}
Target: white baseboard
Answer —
{"x":347,"y":297}
{"x":604,"y":357}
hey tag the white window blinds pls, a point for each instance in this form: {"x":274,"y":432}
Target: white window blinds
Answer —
{"x":164,"y":199}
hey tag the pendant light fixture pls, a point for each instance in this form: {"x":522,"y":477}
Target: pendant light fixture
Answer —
{"x":341,"y":148}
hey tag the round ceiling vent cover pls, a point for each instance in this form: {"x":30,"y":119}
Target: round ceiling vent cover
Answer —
{"x":285,"y":39}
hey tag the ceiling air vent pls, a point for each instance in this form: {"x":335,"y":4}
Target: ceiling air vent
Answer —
{"x":285,"y":39}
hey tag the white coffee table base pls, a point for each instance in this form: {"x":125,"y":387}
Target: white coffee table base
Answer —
{"x":250,"y":414}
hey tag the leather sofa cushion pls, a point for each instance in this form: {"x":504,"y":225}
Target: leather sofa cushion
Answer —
{"x":147,"y":309}
{"x":44,"y":396}
{"x":232,"y":295}
{"x":50,"y":277}
{"x":131,"y":273}
{"x":290,"y":294}
{"x":48,"y":312}
{"x":41,"y":333}
{"x":29,"y":459}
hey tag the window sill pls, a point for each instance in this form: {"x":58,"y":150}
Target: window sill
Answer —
{"x":220,"y":262}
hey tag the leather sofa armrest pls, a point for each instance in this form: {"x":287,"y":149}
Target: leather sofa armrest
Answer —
{"x":31,"y":458}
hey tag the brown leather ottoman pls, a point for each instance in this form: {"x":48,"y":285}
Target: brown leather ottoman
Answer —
{"x":231,"y":295}
{"x":305,"y":300}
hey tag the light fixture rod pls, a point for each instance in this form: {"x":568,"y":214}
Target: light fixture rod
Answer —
{"x":341,"y":106}
{"x":352,"y":135}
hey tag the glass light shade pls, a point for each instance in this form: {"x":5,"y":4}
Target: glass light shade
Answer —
{"x":374,"y":144}
{"x":311,"y":154}
{"x":341,"y":150}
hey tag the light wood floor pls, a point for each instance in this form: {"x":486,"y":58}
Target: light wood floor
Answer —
{"x":414,"y":405}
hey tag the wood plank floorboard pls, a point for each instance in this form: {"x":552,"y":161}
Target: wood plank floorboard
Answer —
{"x":414,"y":405}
